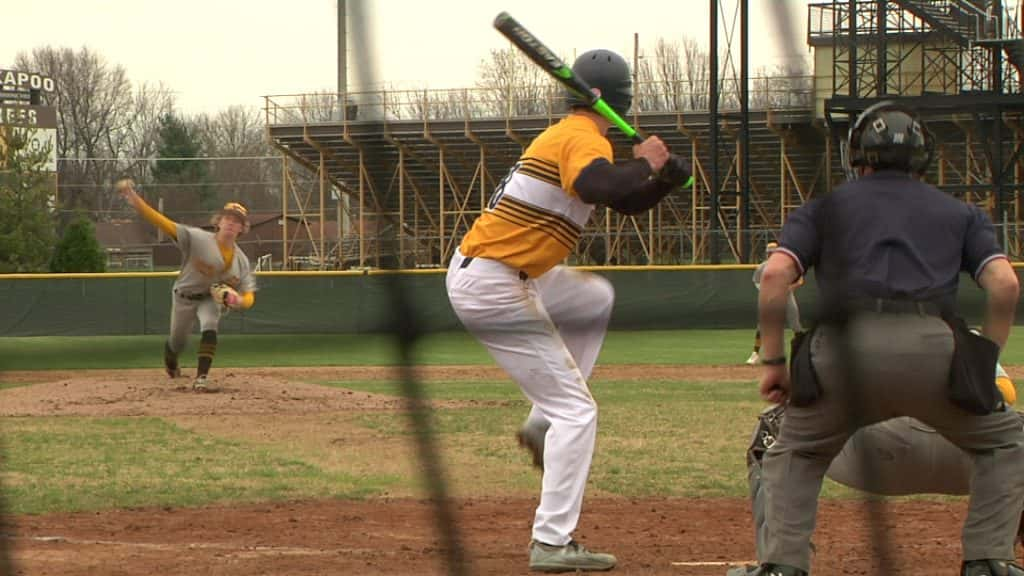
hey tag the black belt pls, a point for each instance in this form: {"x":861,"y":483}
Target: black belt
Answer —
{"x":466,"y":260}
{"x":196,"y":297}
{"x":887,"y":306}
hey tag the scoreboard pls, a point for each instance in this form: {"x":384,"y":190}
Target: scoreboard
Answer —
{"x":21,"y":106}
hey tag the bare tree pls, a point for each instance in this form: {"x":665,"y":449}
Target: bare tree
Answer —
{"x":646,"y":93}
{"x":235,"y":140}
{"x":696,"y":63}
{"x":675,"y":78}
{"x":781,"y":88}
{"x":444,"y":104}
{"x":513,"y":85}
{"x":137,"y":144}
{"x":314,"y":107}
{"x":100,"y":119}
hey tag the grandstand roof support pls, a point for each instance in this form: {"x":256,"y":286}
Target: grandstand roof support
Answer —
{"x":404,"y":156}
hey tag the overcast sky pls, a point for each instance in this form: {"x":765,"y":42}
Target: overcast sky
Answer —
{"x":217,"y":53}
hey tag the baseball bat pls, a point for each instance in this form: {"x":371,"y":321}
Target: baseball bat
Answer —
{"x":541,"y":55}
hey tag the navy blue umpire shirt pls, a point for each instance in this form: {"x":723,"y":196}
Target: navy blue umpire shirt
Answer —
{"x":889,"y":235}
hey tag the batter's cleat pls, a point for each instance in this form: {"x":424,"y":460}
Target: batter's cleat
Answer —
{"x":748,"y":570}
{"x":200,"y":384}
{"x":532,"y":438}
{"x":754,"y":359}
{"x":991,"y":567}
{"x":569,"y":558}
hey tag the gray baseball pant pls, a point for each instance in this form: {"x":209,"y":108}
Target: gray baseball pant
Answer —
{"x":902,"y":366}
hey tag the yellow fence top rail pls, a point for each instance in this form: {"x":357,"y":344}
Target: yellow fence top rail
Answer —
{"x":378,"y":272}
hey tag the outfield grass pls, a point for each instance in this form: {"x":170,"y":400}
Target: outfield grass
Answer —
{"x":68,"y":464}
{"x":656,"y":438}
{"x":237,"y":350}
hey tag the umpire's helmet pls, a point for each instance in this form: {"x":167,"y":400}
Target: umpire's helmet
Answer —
{"x":609,"y":73}
{"x":887,"y":136}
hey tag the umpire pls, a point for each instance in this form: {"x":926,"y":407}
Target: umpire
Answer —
{"x":887,"y":251}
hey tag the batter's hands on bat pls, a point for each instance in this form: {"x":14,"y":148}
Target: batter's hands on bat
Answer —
{"x":775,"y":384}
{"x":676,"y":171}
{"x":654,"y":151}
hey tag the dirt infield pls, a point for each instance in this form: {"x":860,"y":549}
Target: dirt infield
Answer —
{"x":397,"y":536}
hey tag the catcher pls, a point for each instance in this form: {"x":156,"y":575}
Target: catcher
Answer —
{"x":906,"y":456}
{"x":215,"y":275}
{"x":792,"y":310}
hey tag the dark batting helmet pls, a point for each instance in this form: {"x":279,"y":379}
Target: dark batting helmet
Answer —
{"x":887,"y":136}
{"x":609,"y":73}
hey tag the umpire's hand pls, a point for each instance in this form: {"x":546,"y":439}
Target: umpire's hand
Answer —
{"x":775,"y":384}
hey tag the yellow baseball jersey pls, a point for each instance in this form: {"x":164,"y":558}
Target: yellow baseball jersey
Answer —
{"x":535,"y":217}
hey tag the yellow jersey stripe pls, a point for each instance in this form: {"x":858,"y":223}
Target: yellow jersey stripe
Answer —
{"x":553,"y":180}
{"x":529,"y":225}
{"x":547,"y":227}
{"x":228,"y":254}
{"x":532,"y":224}
{"x":540,"y":166}
{"x":549,"y":163}
{"x":541,"y":213}
{"x":536,"y":218}
{"x":531,"y":216}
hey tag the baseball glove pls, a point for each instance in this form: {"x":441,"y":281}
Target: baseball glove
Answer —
{"x":222,"y":292}
{"x":769,"y":424}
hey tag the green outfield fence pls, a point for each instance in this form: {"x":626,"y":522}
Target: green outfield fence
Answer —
{"x":657,"y":297}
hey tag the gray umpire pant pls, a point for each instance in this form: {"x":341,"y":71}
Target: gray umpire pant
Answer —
{"x":897,"y":457}
{"x":183,"y":317}
{"x":902,"y":366}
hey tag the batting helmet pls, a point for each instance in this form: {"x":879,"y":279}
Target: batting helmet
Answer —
{"x":888,"y":136}
{"x":609,"y":73}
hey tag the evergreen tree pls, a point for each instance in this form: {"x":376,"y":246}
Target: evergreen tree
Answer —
{"x":182,"y":177}
{"x":78,"y":250}
{"x":27,"y":215}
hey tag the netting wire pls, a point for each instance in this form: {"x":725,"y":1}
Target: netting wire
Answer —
{"x":406,"y":327}
{"x":874,"y":506}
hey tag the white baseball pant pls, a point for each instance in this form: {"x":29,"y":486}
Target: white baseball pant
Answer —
{"x":546,"y":332}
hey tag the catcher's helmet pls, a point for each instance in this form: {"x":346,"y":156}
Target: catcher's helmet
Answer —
{"x":888,"y":136}
{"x":609,"y":73}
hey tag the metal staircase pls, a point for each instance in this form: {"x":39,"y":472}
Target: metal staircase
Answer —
{"x":963,"y":21}
{"x":970,"y":24}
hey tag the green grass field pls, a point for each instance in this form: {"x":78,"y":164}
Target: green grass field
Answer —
{"x":676,"y":438}
{"x":654,"y":347}
{"x":625,"y":347}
